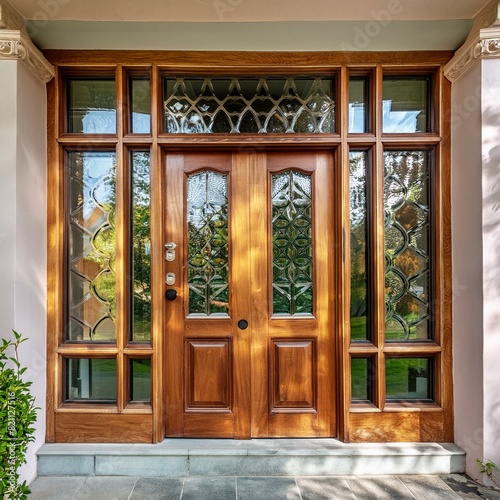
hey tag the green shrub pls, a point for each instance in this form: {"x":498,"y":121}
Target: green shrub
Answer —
{"x":17,"y":419}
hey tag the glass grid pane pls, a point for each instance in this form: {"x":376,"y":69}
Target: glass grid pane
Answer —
{"x":407,"y":245}
{"x":405,"y":104}
{"x":359,"y":234}
{"x":92,"y":246}
{"x":140,"y":374}
{"x":408,"y":379}
{"x":140,"y":105}
{"x":292,"y":243}
{"x":249,"y":105}
{"x":92,"y":106}
{"x":141,"y":247}
{"x":358,"y":105}
{"x":361,"y":379}
{"x":208,"y":244}
{"x":91,"y":380}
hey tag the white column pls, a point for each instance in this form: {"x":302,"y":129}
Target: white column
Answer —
{"x":23,"y":206}
{"x":475,"y":73}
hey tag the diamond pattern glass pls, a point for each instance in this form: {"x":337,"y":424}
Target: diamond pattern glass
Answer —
{"x":92,"y":246}
{"x":291,"y":200}
{"x":406,"y":205}
{"x":249,"y":105}
{"x":208,"y":246}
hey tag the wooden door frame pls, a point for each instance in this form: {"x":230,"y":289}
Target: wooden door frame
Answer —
{"x":355,"y":423}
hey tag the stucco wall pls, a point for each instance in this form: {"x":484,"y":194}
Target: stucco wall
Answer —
{"x":491,"y":255}
{"x":23,"y":227}
{"x":467,"y":265}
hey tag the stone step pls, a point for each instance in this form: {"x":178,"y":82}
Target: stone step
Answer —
{"x":256,"y":457}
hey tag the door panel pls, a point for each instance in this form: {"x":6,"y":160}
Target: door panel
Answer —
{"x":254,"y":236}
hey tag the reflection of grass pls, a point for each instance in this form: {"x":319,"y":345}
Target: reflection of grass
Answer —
{"x":359,"y":373}
{"x":397,"y":374}
{"x":397,"y":370}
{"x":358,"y":328}
{"x":141,"y":329}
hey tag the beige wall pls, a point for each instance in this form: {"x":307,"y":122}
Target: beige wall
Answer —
{"x":23,"y":227}
{"x":476,"y":261}
{"x":491,"y":255}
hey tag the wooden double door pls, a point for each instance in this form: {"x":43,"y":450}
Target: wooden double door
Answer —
{"x":249,"y":332}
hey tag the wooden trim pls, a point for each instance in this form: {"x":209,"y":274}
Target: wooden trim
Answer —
{"x":249,"y":62}
{"x":343,"y":267}
{"x":55,"y":256}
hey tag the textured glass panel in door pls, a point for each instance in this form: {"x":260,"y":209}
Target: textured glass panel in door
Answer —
{"x":208,"y":249}
{"x":292,"y":243}
{"x":407,"y":246}
{"x":92,"y":246}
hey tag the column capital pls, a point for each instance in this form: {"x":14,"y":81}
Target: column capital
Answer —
{"x":483,"y":42}
{"x":16,"y":44}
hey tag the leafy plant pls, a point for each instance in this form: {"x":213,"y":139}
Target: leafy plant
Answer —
{"x":488,"y":467}
{"x":17,"y":418}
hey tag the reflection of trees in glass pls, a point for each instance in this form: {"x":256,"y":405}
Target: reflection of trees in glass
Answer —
{"x":358,"y":220}
{"x":92,"y":246}
{"x":141,"y":246}
{"x":406,"y":207}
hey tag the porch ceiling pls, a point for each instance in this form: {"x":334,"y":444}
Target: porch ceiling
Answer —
{"x":246,"y":10}
{"x":249,"y":25}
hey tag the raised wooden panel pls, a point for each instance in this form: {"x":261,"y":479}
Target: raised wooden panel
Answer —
{"x":293,"y":375}
{"x":410,"y":426}
{"x":208,"y":374}
{"x":87,"y":427}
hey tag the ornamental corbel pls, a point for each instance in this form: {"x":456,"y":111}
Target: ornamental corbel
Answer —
{"x":16,"y":45}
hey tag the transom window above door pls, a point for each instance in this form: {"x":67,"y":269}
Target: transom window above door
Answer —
{"x":249,"y":105}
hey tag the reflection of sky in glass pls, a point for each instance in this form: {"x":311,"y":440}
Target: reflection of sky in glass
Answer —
{"x":401,"y":122}
{"x":356,"y":117}
{"x":95,"y":167}
{"x":141,"y":123}
{"x":99,"y":121}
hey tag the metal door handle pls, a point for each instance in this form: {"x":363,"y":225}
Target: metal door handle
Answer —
{"x":242,"y":324}
{"x":171,"y":294}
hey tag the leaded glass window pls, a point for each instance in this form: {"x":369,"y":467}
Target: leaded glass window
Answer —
{"x":406,"y":204}
{"x":92,"y":246}
{"x":249,"y":105}
{"x":208,"y":245}
{"x":292,"y":243}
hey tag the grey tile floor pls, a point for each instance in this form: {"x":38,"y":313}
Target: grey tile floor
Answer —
{"x":255,"y":488}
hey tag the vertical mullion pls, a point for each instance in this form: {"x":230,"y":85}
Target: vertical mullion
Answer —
{"x":56,"y":241}
{"x":122,"y":244}
{"x":343,"y":266}
{"x":377,"y":245}
{"x":157,"y":201}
